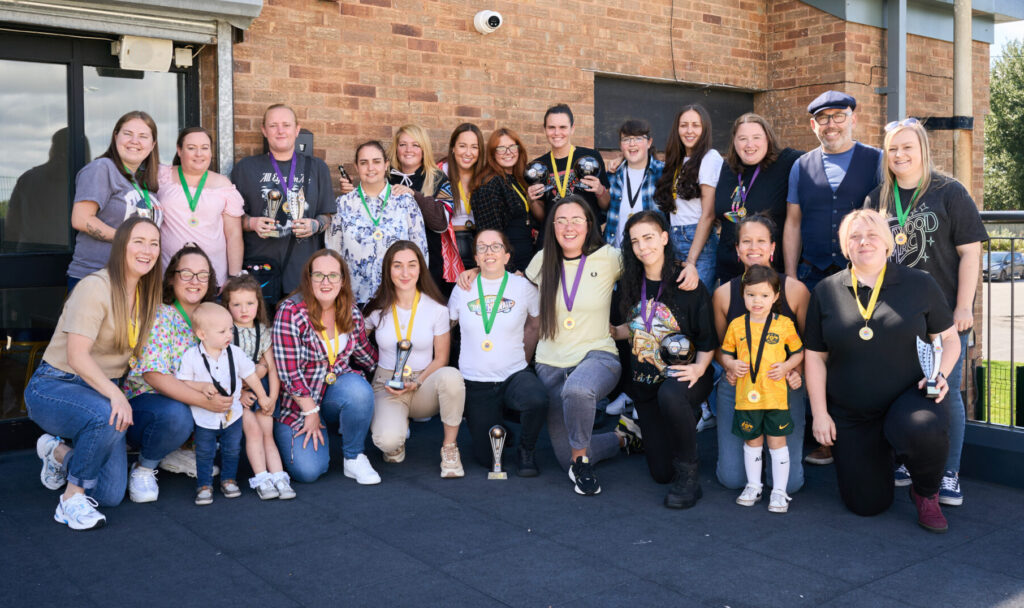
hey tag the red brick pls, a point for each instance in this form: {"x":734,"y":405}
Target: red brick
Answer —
{"x":360,"y":90}
{"x":402,"y":29}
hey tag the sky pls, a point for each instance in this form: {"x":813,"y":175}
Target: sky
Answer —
{"x":1004,"y":33}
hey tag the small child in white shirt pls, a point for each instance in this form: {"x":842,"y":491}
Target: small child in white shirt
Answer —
{"x":213,"y":367}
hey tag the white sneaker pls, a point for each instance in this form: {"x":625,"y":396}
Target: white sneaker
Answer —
{"x":359,"y":468}
{"x":396,"y":457}
{"x":707,"y":419}
{"x":451,"y":462}
{"x":617,"y":407}
{"x":53,"y":474}
{"x":750,"y":496}
{"x":282,"y":482}
{"x":779,"y":502}
{"x":142,"y":484}
{"x":265,"y":488}
{"x":184,"y":462}
{"x":79,"y":513}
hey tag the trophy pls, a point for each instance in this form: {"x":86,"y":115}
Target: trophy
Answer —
{"x":676,"y":349}
{"x":274,"y":200}
{"x":537,"y":173}
{"x":585,"y":166}
{"x":497,"y":435}
{"x":401,"y":356}
{"x":929,"y":356}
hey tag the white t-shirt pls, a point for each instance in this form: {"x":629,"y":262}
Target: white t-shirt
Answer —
{"x":338,"y":345}
{"x":192,"y":368}
{"x":508,"y":354}
{"x":636,"y":179}
{"x":431,"y":320}
{"x":688,"y":212}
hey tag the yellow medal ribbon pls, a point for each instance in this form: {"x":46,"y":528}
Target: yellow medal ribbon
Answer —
{"x":522,"y":196}
{"x":412,"y":317}
{"x":562,"y":186}
{"x":465,"y":199}
{"x":675,"y":180}
{"x":332,"y":354}
{"x":133,"y":331}
{"x":870,"y":310}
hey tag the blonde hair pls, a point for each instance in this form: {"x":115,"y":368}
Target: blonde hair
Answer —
{"x":886,"y":199}
{"x":430,"y":171}
{"x":206,"y":312}
{"x":873,"y":219}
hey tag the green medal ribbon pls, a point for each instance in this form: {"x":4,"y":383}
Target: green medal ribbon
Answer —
{"x":362,"y":197}
{"x":901,"y":215}
{"x":184,"y":315}
{"x":193,"y":201}
{"x":143,"y":192}
{"x":490,"y":317}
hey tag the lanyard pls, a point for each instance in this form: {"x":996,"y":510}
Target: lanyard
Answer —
{"x":383,"y":205}
{"x":256,"y":346}
{"x":629,"y":187}
{"x":866,"y":313}
{"x":193,"y":201}
{"x":567,"y":296}
{"x":562,"y":186}
{"x":143,"y":191}
{"x":756,"y":365}
{"x":902,"y":215}
{"x":648,"y":319}
{"x":332,"y":354}
{"x":465,"y":199}
{"x":521,"y":196}
{"x":287,"y":185}
{"x":231,"y":369}
{"x":489,"y":317}
{"x":184,"y":315}
{"x":412,"y":317}
{"x":740,"y":195}
{"x":133,"y":324}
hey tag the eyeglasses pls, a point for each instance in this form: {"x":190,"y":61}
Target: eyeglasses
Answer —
{"x":837,"y":118}
{"x":493,"y":248}
{"x":575,"y":221}
{"x":330,"y":277}
{"x":506,"y":149}
{"x":187,"y":276}
{"x":906,"y":122}
{"x":629,"y":141}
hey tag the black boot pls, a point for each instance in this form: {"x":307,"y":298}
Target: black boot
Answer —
{"x":527,"y":463}
{"x":685,"y":489}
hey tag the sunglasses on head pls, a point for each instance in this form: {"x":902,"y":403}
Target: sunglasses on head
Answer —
{"x":906,"y":122}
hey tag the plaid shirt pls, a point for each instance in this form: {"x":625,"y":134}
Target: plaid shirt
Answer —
{"x":617,"y":190}
{"x":495,"y":204}
{"x":301,"y":358}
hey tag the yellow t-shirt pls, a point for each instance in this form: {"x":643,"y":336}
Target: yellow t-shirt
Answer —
{"x":590,"y":311}
{"x":781,"y":342}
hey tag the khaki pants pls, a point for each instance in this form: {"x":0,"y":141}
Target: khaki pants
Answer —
{"x":442,"y":392}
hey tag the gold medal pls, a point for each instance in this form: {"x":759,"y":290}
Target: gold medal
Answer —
{"x":487,"y":345}
{"x":133,"y":362}
{"x":741,"y":212}
{"x":406,"y":371}
{"x":569,"y":323}
{"x":378,"y":235}
{"x":753,"y":396}
{"x":901,"y":238}
{"x":331,"y":378}
{"x":865,"y":333}
{"x":287,"y":208}
{"x":193,"y":221}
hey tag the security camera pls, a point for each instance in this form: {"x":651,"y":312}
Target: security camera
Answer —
{"x":486,"y":22}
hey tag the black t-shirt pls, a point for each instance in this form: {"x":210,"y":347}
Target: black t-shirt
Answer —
{"x":254,"y":176}
{"x":943,"y":218}
{"x":768,"y":193}
{"x":677,"y":311}
{"x":574,"y":181}
{"x":866,"y":376}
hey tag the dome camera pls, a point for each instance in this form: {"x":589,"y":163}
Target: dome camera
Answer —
{"x":486,"y":22}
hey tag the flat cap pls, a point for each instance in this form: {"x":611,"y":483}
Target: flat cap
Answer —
{"x":831,"y":100}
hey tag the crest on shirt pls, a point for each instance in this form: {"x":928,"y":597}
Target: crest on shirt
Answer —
{"x":506,"y":305}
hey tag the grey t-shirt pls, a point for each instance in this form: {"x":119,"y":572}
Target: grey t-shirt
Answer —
{"x":311,"y":195}
{"x":102,"y":183}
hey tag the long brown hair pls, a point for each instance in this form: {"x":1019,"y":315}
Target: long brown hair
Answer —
{"x":181,"y":141}
{"x":148,"y":287}
{"x":245,"y":282}
{"x":478,"y":166}
{"x":732,"y":158}
{"x":147,"y":174}
{"x":387,"y":294}
{"x":172,"y":269}
{"x":342,"y":304}
{"x":687,"y":186}
{"x":493,"y":169}
{"x":551,"y":266}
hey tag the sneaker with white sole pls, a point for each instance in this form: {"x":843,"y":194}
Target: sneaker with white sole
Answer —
{"x":53,"y":474}
{"x":204,"y":496}
{"x":451,"y":462}
{"x":629,"y":433}
{"x":707,"y":419}
{"x":360,"y":469}
{"x":265,"y":489}
{"x":230,"y":489}
{"x":949,"y":490}
{"x":396,"y":456}
{"x":582,"y":475}
{"x":750,"y":496}
{"x":779,"y":501}
{"x":142,"y":485}
{"x":79,"y":513}
{"x":619,"y":406}
{"x":184,"y":462}
{"x":284,"y":486}
{"x":901,"y":476}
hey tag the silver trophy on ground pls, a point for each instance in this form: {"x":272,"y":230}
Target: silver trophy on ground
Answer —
{"x":929,"y":356}
{"x":401,"y":357}
{"x":274,"y":201}
{"x":497,"y":435}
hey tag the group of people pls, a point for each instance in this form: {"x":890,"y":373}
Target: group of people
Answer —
{"x":488,"y":288}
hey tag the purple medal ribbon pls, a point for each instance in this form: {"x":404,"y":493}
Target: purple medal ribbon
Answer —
{"x":648,"y":320}
{"x":743,"y":190}
{"x":280,"y":178}
{"x":570,"y":297}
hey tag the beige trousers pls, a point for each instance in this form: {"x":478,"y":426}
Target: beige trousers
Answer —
{"x":442,"y":392}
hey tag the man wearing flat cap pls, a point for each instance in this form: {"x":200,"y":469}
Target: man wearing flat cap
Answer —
{"x":824,"y":185}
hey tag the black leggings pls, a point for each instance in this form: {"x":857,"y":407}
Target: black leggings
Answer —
{"x":914,"y":429}
{"x":668,"y":421}
{"x":485,"y":403}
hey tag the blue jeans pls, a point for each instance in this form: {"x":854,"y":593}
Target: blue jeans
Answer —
{"x":810,"y":276}
{"x":729,"y":470}
{"x":347,"y":403}
{"x":682,"y":239}
{"x":230,"y":439}
{"x":160,"y":426}
{"x":957,"y":414}
{"x":64,"y":405}
{"x":573,"y":393}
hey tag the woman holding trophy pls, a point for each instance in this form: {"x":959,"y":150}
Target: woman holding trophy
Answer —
{"x":673,"y":342}
{"x":414,"y":378}
{"x":864,"y":360}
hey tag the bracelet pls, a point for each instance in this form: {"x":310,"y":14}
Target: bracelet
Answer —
{"x":309,"y":412}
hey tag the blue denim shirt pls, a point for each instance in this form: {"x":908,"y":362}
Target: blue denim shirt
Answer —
{"x":617,"y":186}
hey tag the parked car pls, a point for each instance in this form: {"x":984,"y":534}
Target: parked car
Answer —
{"x":999,"y":266}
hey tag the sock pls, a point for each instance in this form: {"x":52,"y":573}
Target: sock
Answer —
{"x":752,"y":463}
{"x":279,"y":476}
{"x":780,"y":468}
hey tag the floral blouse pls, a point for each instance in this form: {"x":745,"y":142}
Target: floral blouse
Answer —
{"x":170,"y":337}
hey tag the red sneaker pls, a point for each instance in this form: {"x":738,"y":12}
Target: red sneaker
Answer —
{"x":929,"y":515}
